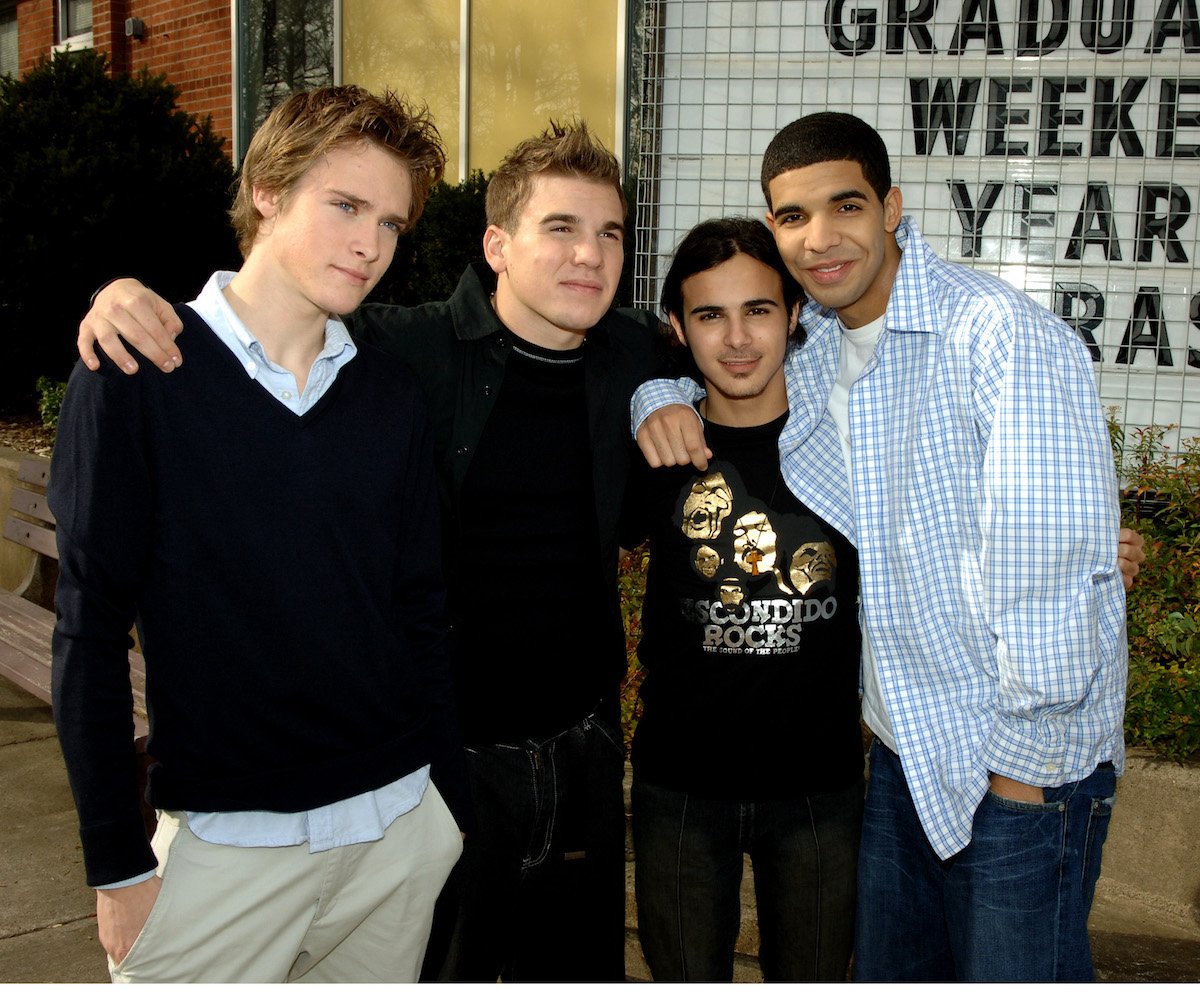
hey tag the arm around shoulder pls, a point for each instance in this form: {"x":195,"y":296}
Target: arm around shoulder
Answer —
{"x":127,"y":309}
{"x":666,"y":425}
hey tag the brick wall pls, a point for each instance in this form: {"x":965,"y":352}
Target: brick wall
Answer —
{"x":35,"y":32}
{"x":188,"y":40}
{"x":108,"y":31}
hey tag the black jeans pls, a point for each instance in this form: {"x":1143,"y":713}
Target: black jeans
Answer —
{"x":539,"y":894}
{"x":689,"y":873}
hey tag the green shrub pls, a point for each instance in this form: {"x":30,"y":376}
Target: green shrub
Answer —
{"x":448,"y":236}
{"x":1161,"y":500}
{"x":50,"y":399}
{"x":101,"y":176}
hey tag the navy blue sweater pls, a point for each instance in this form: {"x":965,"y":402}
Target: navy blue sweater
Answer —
{"x":286,"y":577}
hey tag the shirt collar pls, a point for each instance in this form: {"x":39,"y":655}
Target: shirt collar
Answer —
{"x":910,"y":305}
{"x":471,"y":304}
{"x":213,"y":307}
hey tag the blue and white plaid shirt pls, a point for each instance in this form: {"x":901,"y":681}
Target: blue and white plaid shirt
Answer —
{"x":984,"y":508}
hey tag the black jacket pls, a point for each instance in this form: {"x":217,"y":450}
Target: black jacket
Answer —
{"x":458,"y":349}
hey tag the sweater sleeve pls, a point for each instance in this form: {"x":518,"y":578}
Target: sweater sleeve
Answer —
{"x":100,"y":494}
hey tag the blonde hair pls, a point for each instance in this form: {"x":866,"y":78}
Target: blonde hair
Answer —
{"x":561,"y":150}
{"x":309,"y":124}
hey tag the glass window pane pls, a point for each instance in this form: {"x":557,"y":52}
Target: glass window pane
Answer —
{"x":283,"y":45}
{"x":539,"y":59}
{"x":75,"y":18}
{"x":8,"y":39}
{"x":531,"y":60}
{"x":412,"y":47}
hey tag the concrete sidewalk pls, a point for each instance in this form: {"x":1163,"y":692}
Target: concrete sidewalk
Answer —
{"x":47,"y":914}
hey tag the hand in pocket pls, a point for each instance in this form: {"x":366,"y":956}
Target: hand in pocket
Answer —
{"x":122,"y":912}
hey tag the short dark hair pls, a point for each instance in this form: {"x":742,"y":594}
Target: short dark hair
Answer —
{"x":710,"y":244}
{"x":824,"y":137}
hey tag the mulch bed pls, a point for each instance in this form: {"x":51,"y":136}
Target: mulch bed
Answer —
{"x":26,"y":435}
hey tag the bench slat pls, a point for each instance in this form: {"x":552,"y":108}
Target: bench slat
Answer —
{"x":32,"y":504}
{"x":40,"y":539}
{"x":25,"y":628}
{"x":28,"y":632}
{"x":29,"y":673}
{"x":34,"y":471}
{"x":25,"y":644}
{"x":39,"y":618}
{"x":32,"y":674}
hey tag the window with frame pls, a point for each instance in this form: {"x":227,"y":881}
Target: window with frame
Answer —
{"x":73,"y":23}
{"x":9,"y":52}
{"x":282,"y":46}
{"x":494,"y":71}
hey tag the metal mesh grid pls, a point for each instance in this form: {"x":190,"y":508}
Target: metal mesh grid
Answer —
{"x":1057,"y":145}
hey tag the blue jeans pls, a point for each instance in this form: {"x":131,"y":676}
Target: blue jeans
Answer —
{"x":1010,"y":907}
{"x":689,"y":873}
{"x":539,"y":894}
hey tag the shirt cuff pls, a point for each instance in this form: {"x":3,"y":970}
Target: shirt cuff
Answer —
{"x":1028,"y":751}
{"x":659,"y":393}
{"x":128,"y":882}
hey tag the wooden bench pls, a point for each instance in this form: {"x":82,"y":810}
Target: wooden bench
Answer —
{"x":26,"y":615}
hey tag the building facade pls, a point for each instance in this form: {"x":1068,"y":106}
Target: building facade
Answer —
{"x":491,"y":71}
{"x":1053,"y":142}
{"x":188,"y":40}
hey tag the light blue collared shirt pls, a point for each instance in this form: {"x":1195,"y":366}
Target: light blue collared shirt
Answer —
{"x":213,"y":307}
{"x":983,"y":502}
{"x":364,"y":817}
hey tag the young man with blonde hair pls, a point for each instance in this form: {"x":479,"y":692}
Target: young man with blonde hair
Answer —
{"x":528,"y":373}
{"x":283,"y":570}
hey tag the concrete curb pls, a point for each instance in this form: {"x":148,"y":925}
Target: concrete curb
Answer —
{"x":1150,"y":857}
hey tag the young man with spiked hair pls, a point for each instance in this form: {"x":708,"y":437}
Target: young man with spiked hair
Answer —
{"x":527,"y":371}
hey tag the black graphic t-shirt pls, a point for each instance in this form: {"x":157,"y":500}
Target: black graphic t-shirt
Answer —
{"x":750,"y":633}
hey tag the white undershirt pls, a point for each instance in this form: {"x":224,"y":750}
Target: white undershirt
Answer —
{"x":858,"y":348}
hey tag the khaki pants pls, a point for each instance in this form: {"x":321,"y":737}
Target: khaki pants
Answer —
{"x":281,"y":914}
